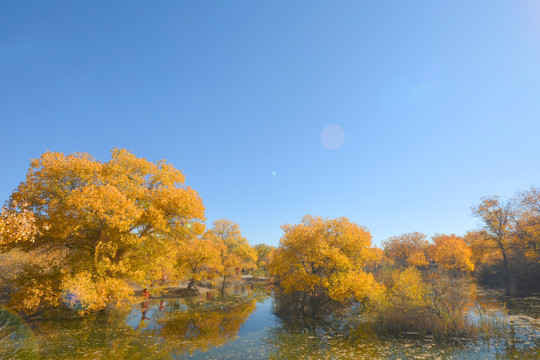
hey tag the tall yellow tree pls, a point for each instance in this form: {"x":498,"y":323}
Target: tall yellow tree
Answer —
{"x":510,"y":240}
{"x":407,"y":249}
{"x":496,"y":216}
{"x":109,"y":223}
{"x":324,"y":259}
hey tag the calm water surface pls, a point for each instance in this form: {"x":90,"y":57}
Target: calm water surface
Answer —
{"x":243,"y":326}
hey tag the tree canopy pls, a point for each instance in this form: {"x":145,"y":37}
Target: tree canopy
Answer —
{"x":452,"y":252}
{"x":107,"y":223}
{"x":325,"y":258}
{"x":509,"y":238}
{"x":407,"y":249}
{"x":236,"y":253}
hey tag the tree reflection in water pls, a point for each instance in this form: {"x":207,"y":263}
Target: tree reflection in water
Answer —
{"x":214,"y":328}
{"x":203,"y":327}
{"x":155,"y":329}
{"x":341,"y":332}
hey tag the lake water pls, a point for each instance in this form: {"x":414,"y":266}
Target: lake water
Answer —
{"x":243,"y":326}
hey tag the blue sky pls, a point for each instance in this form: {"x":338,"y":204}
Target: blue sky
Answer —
{"x":439,"y":102}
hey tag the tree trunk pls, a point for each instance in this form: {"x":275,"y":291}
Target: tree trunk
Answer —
{"x":223,"y":285}
{"x":507,"y":281}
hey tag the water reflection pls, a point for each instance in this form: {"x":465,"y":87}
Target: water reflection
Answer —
{"x":201,"y":328}
{"x":345,"y":335}
{"x":154,"y":329}
{"x":244,"y":326}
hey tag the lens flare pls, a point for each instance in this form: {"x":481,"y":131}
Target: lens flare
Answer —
{"x":332,"y":137}
{"x":17,"y":340}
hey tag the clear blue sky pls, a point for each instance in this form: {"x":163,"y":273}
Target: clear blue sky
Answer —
{"x":439,"y":102}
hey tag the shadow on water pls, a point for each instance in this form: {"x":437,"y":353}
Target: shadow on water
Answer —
{"x":244,"y":325}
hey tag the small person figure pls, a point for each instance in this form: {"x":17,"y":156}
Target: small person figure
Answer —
{"x":208,"y":296}
{"x":145,"y":293}
{"x":161,"y":305}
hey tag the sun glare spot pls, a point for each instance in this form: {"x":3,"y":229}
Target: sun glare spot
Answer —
{"x":332,"y":137}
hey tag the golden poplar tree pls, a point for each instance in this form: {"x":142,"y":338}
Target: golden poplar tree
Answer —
{"x":107,"y":223}
{"x":496,"y":216}
{"x":324,"y":258}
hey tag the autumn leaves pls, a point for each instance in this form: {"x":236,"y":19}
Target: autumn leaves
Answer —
{"x":449,"y":252}
{"x":93,"y":229}
{"x":325,"y":259}
{"x":507,"y":247}
{"x":324,"y":264}
{"x":105,"y":226}
{"x":330,"y":258}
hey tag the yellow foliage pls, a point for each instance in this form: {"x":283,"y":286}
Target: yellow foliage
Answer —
{"x":229,"y":233}
{"x":408,"y":287}
{"x":38,"y":293}
{"x":451,"y":252}
{"x":236,"y":253}
{"x":407,"y":249}
{"x":379,"y":258}
{"x":17,"y":226}
{"x":510,"y":237}
{"x":264,"y":254}
{"x":206,"y":328}
{"x":325,"y":257}
{"x":484,"y":251}
{"x":527,"y":220}
{"x":437,"y":303}
{"x":200,"y":257}
{"x":358,"y":285}
{"x":114,"y":221}
{"x":84,"y":292}
{"x":418,"y":258}
{"x":496,"y":216}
